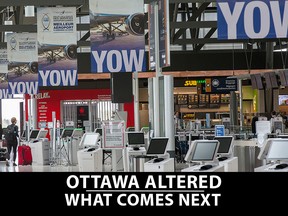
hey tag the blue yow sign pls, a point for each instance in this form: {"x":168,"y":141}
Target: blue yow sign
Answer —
{"x":243,"y":19}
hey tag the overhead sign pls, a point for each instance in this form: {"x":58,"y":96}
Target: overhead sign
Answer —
{"x":188,"y":82}
{"x":117,"y":35}
{"x":22,"y":63}
{"x":221,"y":85}
{"x":57,"y":50}
{"x":163,"y":33}
{"x":4,"y":75}
{"x":248,"y":19}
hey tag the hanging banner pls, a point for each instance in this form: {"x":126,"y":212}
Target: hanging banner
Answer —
{"x":163,"y":40}
{"x":247,"y":19}
{"x":57,"y":46}
{"x":22,"y":63}
{"x":117,"y":35}
{"x":4,"y":75}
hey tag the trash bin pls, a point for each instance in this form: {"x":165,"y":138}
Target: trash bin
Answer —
{"x":247,"y":158}
{"x":138,"y":162}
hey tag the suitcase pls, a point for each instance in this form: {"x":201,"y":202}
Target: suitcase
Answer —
{"x":3,"y":152}
{"x":24,"y":155}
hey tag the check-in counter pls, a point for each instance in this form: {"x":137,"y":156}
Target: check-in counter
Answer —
{"x":247,"y":152}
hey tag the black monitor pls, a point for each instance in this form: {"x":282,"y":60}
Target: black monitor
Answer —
{"x":42,"y":134}
{"x":157,"y":146}
{"x":253,"y":81}
{"x":98,"y":130}
{"x":67,"y":132}
{"x":271,"y":80}
{"x":225,"y":145}
{"x":283,"y":75}
{"x":23,"y":135}
{"x":202,"y":151}
{"x":256,"y":81}
{"x":34,"y":134}
{"x":136,"y":139}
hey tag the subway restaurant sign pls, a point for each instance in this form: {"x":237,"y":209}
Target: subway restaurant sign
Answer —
{"x":193,"y":83}
{"x":209,"y":85}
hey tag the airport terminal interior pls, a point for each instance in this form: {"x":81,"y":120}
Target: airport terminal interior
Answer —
{"x":204,"y":105}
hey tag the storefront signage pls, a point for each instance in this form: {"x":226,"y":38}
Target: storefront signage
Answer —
{"x":221,"y":85}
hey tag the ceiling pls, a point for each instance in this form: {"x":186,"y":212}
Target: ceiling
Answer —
{"x":189,"y":31}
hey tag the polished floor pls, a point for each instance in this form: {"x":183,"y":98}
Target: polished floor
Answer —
{"x":58,"y":168}
{"x":37,"y":168}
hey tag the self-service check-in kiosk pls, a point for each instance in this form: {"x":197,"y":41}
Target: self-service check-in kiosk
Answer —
{"x":203,"y":153}
{"x":40,"y":147}
{"x":90,"y":157}
{"x":275,"y":152}
{"x":161,"y":162}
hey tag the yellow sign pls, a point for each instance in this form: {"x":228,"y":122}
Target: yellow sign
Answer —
{"x":190,"y":83}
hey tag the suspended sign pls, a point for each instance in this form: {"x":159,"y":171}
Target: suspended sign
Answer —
{"x":252,"y":19}
{"x":117,"y":35}
{"x":22,"y":63}
{"x":57,"y":51}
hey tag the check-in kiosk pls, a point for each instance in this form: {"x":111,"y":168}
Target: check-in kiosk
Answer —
{"x":40,"y":147}
{"x":136,"y":147}
{"x":90,"y":157}
{"x":204,"y":154}
{"x":275,"y":152}
{"x":161,"y":162}
{"x":73,"y":145}
{"x":225,"y":153}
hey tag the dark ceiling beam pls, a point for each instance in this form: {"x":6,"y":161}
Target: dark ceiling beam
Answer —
{"x":194,"y":24}
{"x":208,"y":35}
{"x":83,"y":43}
{"x":194,"y":16}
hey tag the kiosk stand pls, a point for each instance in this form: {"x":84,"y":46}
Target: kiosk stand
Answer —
{"x":40,"y":147}
{"x":275,"y":152}
{"x":225,"y":153}
{"x":204,"y":153}
{"x":91,"y":156}
{"x":161,"y":161}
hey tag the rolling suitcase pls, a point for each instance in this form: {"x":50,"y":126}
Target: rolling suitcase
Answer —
{"x":3,"y":152}
{"x":24,"y":155}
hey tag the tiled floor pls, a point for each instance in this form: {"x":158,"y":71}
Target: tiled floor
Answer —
{"x":37,"y":168}
{"x":57,"y":168}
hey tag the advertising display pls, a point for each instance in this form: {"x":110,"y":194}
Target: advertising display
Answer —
{"x":57,"y":51}
{"x":22,"y":63}
{"x":4,"y":74}
{"x":247,"y":19}
{"x":117,"y":36}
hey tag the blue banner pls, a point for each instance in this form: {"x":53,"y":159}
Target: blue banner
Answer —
{"x":240,"y":19}
{"x":117,"y":36}
{"x":22,"y":63}
{"x":57,"y":46}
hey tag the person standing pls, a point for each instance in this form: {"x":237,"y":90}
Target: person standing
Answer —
{"x":12,"y":140}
